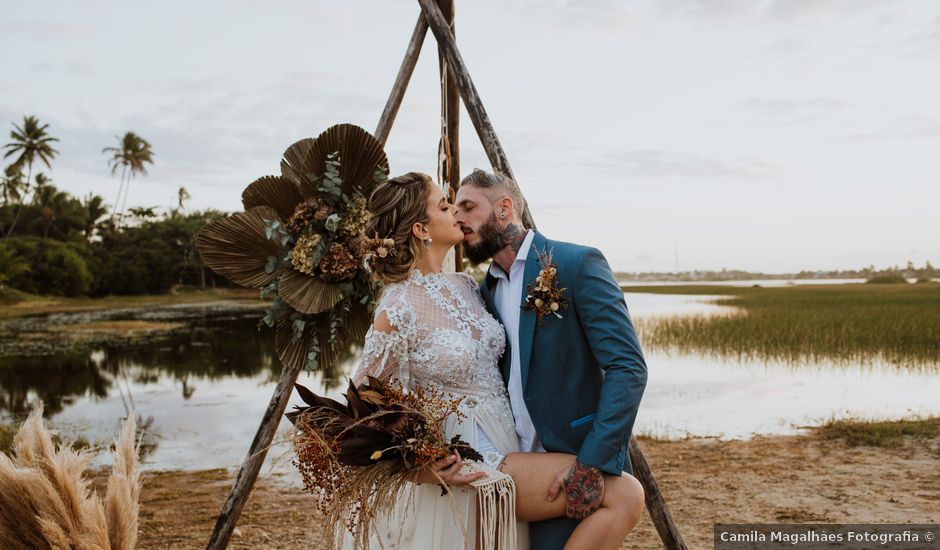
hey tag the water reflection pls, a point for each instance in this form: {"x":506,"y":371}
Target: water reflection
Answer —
{"x":689,"y":394}
{"x":201,"y":390}
{"x":210,"y":350}
{"x":196,"y":389}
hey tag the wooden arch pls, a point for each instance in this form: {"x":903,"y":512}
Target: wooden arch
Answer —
{"x":456,"y":84}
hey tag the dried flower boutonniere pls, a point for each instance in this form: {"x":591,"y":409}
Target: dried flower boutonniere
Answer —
{"x":544,"y":296}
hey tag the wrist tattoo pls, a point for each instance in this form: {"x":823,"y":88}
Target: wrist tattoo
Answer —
{"x":584,"y":490}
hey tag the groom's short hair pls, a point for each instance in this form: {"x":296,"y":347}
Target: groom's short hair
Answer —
{"x":496,"y":186}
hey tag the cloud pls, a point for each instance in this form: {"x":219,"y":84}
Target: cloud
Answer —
{"x":821,"y":9}
{"x":547,"y":207}
{"x":769,"y":10}
{"x":906,"y":127}
{"x":711,"y":9}
{"x":36,"y":29}
{"x":655,"y":163}
{"x":610,"y":18}
{"x":794,"y":112}
{"x":923,"y":43}
{"x":72,"y":68}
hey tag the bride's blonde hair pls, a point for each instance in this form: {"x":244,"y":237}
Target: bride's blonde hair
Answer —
{"x":396,"y":206}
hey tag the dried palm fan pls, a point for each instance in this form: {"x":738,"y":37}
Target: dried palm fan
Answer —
{"x":45,"y":501}
{"x":358,"y":458}
{"x":299,"y":242}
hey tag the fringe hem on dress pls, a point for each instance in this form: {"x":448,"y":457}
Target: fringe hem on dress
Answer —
{"x":496,"y":495}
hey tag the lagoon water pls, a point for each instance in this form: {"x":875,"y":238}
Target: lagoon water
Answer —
{"x":202,"y":390}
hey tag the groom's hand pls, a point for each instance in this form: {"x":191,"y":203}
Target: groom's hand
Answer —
{"x":584,"y":489}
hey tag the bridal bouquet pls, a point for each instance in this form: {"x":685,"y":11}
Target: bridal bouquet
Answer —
{"x":301,"y":242}
{"x":358,"y":457}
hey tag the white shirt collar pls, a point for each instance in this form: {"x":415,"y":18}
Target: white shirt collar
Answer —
{"x":521,"y":256}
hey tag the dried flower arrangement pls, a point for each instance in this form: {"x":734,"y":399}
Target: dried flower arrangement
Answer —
{"x":357,"y":458}
{"x":300,"y":241}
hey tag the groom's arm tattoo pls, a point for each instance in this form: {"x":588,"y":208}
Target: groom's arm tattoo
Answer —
{"x":584,"y":490}
{"x":514,"y":235}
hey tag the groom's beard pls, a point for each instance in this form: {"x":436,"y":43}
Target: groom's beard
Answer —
{"x":492,"y":240}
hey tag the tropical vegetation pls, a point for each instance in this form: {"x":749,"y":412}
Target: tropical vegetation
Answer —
{"x":58,"y":244}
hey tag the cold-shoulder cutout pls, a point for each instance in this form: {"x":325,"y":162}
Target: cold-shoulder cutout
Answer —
{"x":382,"y":323}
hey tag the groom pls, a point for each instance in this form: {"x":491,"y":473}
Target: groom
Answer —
{"x":574,"y":382}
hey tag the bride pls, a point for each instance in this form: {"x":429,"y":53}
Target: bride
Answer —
{"x":431,"y":329}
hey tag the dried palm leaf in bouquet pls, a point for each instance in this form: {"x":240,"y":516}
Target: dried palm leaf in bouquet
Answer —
{"x":299,"y":241}
{"x":357,"y":458}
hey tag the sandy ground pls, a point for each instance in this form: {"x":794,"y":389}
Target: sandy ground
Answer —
{"x":779,"y":479}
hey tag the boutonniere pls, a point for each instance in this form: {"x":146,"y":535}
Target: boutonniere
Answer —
{"x":544,"y":296}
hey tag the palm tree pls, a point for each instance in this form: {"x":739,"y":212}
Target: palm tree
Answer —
{"x":143,"y":213}
{"x":130,"y":155}
{"x":183,"y":195}
{"x":12,"y":184}
{"x":42,"y":182}
{"x":50,"y":201}
{"x":29,"y":141}
{"x":95,"y":209}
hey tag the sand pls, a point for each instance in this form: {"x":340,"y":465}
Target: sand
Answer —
{"x":778,"y":479}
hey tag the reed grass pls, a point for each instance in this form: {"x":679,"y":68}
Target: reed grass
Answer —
{"x":899,"y":324}
{"x":45,"y":500}
{"x":20,"y":304}
{"x":886,"y":434}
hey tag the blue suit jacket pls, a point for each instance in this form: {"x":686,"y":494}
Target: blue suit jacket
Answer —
{"x":582,"y":375}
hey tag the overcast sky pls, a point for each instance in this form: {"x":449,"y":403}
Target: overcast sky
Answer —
{"x":761,"y":135}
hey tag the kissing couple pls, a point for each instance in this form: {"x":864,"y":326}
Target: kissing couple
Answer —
{"x":550,"y":386}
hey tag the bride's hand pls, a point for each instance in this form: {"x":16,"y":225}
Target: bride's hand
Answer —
{"x":448,"y":470}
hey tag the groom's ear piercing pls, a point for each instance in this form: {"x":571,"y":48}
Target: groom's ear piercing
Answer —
{"x":502,"y":215}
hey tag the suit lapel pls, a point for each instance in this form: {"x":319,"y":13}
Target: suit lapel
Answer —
{"x":486,"y":290}
{"x":527,"y":317}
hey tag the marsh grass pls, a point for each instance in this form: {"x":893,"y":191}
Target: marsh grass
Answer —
{"x":887,"y":280}
{"x":899,"y":324}
{"x":20,"y":304}
{"x":887,"y":434}
{"x":8,"y":431}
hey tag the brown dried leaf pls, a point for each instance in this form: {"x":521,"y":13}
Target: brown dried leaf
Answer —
{"x":307,"y":294}
{"x":279,"y":193}
{"x":298,"y":162}
{"x":238,"y":248}
{"x":360,"y":155}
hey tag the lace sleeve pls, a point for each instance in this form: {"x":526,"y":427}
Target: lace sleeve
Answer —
{"x":385,"y":354}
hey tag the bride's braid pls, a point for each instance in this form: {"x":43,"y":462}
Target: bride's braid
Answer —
{"x":396,"y":206}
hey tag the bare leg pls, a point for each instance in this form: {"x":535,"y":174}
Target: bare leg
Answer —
{"x":607,"y":527}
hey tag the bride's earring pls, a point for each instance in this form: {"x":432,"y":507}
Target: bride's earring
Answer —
{"x":427,"y":243}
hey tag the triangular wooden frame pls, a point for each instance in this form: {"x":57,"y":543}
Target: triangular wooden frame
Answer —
{"x":456,"y":84}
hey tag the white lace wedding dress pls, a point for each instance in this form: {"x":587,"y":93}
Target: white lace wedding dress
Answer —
{"x":445,"y":338}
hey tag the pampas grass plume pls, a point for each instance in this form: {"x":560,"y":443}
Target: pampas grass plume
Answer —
{"x":45,"y":500}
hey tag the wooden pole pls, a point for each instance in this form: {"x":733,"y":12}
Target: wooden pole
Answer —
{"x":248,"y":473}
{"x":449,"y":146}
{"x":655,"y":503}
{"x":471,"y":99}
{"x":401,"y":81}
